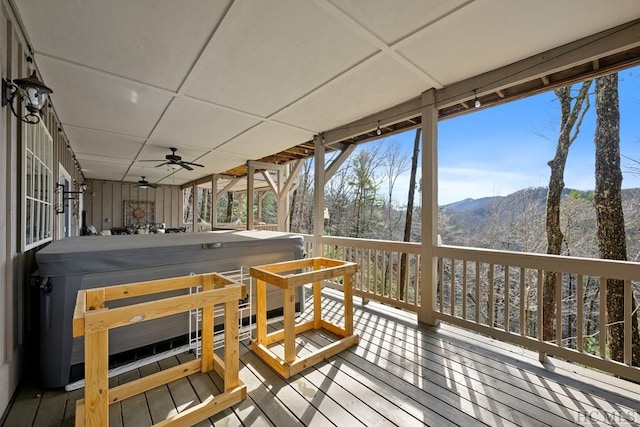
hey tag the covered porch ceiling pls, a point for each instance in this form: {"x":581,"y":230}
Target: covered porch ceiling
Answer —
{"x":235,"y":80}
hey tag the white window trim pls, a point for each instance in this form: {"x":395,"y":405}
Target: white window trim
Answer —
{"x":37,"y":145}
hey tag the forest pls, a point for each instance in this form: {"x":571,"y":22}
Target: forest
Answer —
{"x":603,"y":222}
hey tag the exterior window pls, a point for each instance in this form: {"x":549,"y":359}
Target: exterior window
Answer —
{"x":38,"y":191}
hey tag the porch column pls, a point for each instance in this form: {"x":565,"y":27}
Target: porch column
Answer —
{"x":214,"y":200}
{"x":250,"y":188}
{"x":283,"y":199}
{"x":318,"y":195}
{"x":429,"y":215}
{"x":194,"y":207}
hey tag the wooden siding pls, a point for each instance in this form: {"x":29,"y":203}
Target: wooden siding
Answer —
{"x":103,"y":203}
{"x":16,"y":266}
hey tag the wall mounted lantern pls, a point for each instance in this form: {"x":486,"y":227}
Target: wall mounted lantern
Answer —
{"x":31,"y":91}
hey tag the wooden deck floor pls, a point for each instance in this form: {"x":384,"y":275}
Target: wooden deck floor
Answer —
{"x":400,"y":374}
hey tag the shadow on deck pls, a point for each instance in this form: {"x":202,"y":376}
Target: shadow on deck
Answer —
{"x":401,"y":373}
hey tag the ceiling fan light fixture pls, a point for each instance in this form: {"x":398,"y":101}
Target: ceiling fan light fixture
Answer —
{"x":174,"y":162}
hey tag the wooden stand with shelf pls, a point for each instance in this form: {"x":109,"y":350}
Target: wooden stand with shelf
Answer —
{"x":92,"y":320}
{"x":281,"y":275}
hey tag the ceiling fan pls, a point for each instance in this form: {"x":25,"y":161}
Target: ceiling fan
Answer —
{"x":143,"y":183}
{"x":174,"y":161}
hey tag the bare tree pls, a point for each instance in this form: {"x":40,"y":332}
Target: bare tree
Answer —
{"x":409,"y":216}
{"x":395,"y":163}
{"x":229,"y":214}
{"x":363,"y":182}
{"x":571,"y":117}
{"x":302,"y":201}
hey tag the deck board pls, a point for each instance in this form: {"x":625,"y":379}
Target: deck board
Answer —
{"x":401,"y":373}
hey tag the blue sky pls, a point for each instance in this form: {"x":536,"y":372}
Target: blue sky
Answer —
{"x":499,"y":150}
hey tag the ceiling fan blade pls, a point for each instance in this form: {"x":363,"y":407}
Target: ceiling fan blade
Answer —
{"x":186,"y":166}
{"x":162,"y":164}
{"x":193,"y":164}
{"x":162,"y":160}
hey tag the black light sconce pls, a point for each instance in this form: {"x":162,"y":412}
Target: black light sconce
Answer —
{"x":61,"y":190}
{"x":31,"y":91}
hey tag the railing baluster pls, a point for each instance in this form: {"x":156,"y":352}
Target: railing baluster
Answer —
{"x":603,"y":317}
{"x":441,"y":283}
{"x":523,"y":325}
{"x":506,"y":297}
{"x":452,"y":292}
{"x":407,"y":269}
{"x":395,"y":268}
{"x":376,"y":269}
{"x":580,"y":314}
{"x":464,"y":289}
{"x":368,"y":270}
{"x":416,"y":281}
{"x":540,"y":313}
{"x":559,"y":309}
{"x":627,"y":322}
{"x":491,"y":295}
{"x":393,"y":279}
{"x":477,"y":292}
{"x":394,"y":273}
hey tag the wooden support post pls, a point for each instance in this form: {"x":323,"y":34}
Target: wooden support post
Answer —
{"x":429,"y":207}
{"x":206,"y":353}
{"x":214,"y":200}
{"x":231,"y":345}
{"x":194,"y":207}
{"x":317,"y":298}
{"x":250,"y":190}
{"x":348,"y":305}
{"x":261,"y":311}
{"x":96,"y":370}
{"x":318,"y":195}
{"x":289,"y":324}
{"x":283,"y":200}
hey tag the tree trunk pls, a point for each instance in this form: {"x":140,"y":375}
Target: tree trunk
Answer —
{"x":229,"y":217}
{"x":610,"y":218}
{"x":409,"y":220}
{"x":570,"y":117}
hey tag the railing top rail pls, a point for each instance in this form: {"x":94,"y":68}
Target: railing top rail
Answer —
{"x":625,"y":270}
{"x":408,"y":247}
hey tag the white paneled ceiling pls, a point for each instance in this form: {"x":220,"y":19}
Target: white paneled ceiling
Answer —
{"x":229,"y":81}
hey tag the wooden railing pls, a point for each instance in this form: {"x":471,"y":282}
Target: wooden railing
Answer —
{"x":499,"y":293}
{"x":388,"y":271}
{"x":230,"y":225}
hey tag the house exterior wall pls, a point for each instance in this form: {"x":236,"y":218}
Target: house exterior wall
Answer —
{"x":18,"y":303}
{"x":104,"y":203}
